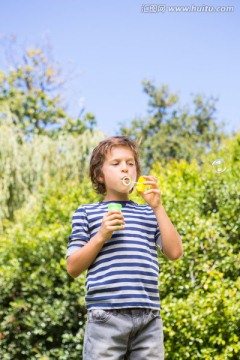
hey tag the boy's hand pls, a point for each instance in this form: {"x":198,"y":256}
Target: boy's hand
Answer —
{"x":112,"y":221}
{"x":152,"y":196}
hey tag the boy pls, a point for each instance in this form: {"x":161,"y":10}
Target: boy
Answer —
{"x":119,"y":250}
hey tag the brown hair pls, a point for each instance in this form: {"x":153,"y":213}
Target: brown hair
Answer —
{"x":98,"y":157}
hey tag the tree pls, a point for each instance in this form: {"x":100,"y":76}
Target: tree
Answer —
{"x":27,"y":165}
{"x":30,"y":90}
{"x":172,"y":132}
{"x":39,"y":141}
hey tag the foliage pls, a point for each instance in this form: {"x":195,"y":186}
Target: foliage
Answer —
{"x":25,"y":165}
{"x":30,"y":93}
{"x":38,"y":139}
{"x":42,"y":311}
{"x":200,"y":301}
{"x":42,"y":308}
{"x":174,"y":132}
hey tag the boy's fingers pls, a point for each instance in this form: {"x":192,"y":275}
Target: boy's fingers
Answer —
{"x":115,"y":216}
{"x":150,"y":182}
{"x":114,"y":213}
{"x":115,"y":220}
{"x":116,"y":225}
{"x":156,"y":191}
{"x":154,"y":178}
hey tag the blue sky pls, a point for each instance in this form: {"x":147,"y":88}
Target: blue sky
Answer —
{"x":113,"y":46}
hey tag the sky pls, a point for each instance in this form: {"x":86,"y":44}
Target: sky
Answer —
{"x":112,"y":46}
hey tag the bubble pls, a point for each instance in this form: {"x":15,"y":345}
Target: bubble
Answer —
{"x":127,"y":180}
{"x":219,"y":166}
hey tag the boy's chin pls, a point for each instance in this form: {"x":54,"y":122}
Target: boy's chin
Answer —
{"x":123,"y":190}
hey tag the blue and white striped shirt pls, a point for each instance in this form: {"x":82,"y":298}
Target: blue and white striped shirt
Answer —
{"x":125,"y":272}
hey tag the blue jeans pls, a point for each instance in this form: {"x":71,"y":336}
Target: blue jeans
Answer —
{"x":123,"y":334}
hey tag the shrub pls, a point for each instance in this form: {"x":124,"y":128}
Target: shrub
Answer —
{"x":42,"y":311}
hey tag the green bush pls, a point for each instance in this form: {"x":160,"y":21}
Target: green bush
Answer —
{"x":200,"y":301}
{"x":42,"y":312}
{"x":42,"y":309}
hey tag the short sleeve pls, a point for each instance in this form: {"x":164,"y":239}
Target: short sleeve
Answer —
{"x":158,"y":238}
{"x":80,"y":231}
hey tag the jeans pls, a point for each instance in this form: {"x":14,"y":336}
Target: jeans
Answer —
{"x":123,"y":334}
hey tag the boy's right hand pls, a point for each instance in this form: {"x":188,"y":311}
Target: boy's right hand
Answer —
{"x":112,"y":221}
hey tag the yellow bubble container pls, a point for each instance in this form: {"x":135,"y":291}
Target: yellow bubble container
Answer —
{"x":140,"y":186}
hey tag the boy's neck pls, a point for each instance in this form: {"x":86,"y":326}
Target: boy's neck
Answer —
{"x":122,"y":197}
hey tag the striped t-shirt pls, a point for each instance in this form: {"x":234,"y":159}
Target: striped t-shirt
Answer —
{"x":125,"y":272}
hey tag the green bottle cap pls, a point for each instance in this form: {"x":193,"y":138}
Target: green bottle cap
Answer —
{"x":114,"y":206}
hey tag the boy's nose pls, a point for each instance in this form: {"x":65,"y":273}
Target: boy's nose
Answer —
{"x":124,"y":168}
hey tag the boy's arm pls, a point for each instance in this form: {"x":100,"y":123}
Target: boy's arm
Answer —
{"x":81,"y":259}
{"x":171,"y":240}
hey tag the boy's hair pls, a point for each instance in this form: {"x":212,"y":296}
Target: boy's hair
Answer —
{"x":98,"y":157}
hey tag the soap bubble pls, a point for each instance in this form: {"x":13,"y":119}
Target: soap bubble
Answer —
{"x":219,"y":166}
{"x":127,"y":180}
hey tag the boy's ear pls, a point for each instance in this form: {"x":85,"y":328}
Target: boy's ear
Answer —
{"x":100,"y":179}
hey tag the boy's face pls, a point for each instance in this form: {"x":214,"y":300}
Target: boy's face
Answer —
{"x":118,"y":163}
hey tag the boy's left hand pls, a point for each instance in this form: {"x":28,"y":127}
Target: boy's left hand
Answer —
{"x":152,"y":196}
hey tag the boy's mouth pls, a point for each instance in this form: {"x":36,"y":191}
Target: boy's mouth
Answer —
{"x":126,"y":180}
